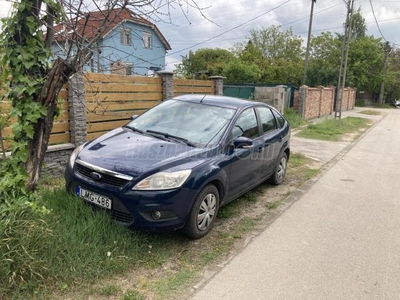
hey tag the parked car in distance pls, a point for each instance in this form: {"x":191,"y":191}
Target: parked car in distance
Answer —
{"x":175,"y":165}
{"x":396,"y":103}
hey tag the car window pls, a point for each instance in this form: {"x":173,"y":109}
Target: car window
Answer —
{"x":199,"y":123}
{"x":246,"y":125}
{"x":267,"y":119}
{"x":281,"y":120}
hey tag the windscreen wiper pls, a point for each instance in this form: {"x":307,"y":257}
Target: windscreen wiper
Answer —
{"x":172,"y":137}
{"x":133,"y":129}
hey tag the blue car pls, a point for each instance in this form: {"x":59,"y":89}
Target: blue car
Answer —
{"x":175,"y":165}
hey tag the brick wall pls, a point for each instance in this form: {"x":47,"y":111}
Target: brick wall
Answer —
{"x":349,"y":98}
{"x":317,"y":102}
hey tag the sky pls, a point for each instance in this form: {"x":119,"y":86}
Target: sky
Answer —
{"x":222,"y":24}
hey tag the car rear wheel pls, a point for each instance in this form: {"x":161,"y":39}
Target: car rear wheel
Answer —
{"x":280,"y":171}
{"x":203,"y":213}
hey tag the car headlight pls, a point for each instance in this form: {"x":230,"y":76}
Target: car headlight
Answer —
{"x":74,"y":154}
{"x":163,"y":181}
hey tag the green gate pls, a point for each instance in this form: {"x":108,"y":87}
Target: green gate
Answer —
{"x":239,"y":91}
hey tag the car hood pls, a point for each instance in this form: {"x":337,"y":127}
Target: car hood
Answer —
{"x":133,"y":153}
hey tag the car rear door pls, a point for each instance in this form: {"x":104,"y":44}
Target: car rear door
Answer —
{"x":271,"y":140}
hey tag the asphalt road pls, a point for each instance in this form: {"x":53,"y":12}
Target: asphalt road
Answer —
{"x":339,"y":240}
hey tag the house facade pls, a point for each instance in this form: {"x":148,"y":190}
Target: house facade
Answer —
{"x":129,"y":45}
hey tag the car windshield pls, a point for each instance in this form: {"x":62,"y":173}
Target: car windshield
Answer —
{"x":196,"y":123}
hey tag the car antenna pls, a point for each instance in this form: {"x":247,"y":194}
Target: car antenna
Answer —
{"x":201,"y":101}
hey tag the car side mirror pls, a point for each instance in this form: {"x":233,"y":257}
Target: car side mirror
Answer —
{"x":134,"y":117}
{"x":242,"y":143}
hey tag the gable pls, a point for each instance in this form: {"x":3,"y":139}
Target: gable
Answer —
{"x":94,"y":23}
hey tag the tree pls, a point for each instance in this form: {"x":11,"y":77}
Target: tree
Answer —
{"x":365,"y":63}
{"x":279,"y":54}
{"x":210,"y":60}
{"x":237,"y":71}
{"x":358,"y":27}
{"x":392,"y":86}
{"x":33,"y":82}
{"x":277,"y":44}
{"x":324,"y":60}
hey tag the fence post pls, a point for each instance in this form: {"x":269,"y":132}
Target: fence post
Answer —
{"x":77,"y":109}
{"x":167,"y":84}
{"x":353,"y":100}
{"x":321,"y":99}
{"x":303,"y":100}
{"x":348,"y":99}
{"x":219,"y":84}
{"x":333,"y":89}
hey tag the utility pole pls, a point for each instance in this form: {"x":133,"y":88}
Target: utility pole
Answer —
{"x":308,"y":42}
{"x":343,"y":61}
{"x":382,"y":91}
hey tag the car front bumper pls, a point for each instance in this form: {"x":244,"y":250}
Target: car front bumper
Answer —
{"x":165,"y":210}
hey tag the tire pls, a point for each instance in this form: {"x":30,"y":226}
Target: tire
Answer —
{"x":203,"y":213}
{"x":280,"y":172}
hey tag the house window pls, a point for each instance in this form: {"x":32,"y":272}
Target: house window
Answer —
{"x":121,"y":68}
{"x":129,"y":69}
{"x":125,"y":36}
{"x":147,"y":40}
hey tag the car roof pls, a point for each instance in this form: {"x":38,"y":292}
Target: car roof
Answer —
{"x":222,"y":101}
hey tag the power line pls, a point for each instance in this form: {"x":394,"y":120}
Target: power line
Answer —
{"x":247,"y":35}
{"x":283,"y":25}
{"x":376,"y":21}
{"x":231,"y":29}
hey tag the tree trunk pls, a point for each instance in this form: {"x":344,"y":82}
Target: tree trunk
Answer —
{"x":37,"y":147}
{"x":3,"y":150}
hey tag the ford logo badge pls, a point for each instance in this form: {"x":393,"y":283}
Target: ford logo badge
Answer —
{"x":95,"y":175}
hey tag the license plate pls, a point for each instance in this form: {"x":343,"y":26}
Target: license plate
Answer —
{"x":94,"y":198}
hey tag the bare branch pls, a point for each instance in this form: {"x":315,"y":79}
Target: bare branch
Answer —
{"x":49,"y":26}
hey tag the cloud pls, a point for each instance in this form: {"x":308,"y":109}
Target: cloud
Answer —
{"x":328,"y":16}
{"x":221,"y":24}
{"x":5,"y":8}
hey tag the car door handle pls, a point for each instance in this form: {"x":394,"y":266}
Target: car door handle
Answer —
{"x":259,"y":149}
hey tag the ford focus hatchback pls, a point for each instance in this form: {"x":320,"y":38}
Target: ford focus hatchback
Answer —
{"x":175,"y":165}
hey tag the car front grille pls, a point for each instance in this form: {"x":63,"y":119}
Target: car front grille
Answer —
{"x":122,"y":217}
{"x":105,"y":178}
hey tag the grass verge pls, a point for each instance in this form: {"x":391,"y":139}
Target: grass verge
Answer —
{"x":370,"y":112}
{"x":385,"y":105}
{"x":334,"y":130}
{"x":295,"y":120}
{"x":68,"y":250}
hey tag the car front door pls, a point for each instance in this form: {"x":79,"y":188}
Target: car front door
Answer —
{"x":245,"y":162}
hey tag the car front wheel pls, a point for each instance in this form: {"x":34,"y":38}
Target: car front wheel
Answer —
{"x":280,"y":171}
{"x":203,"y":213}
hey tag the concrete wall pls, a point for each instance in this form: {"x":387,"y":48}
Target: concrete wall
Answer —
{"x":56,"y":159}
{"x":274,"y":96}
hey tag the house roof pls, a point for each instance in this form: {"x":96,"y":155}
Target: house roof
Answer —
{"x":102,"y":22}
